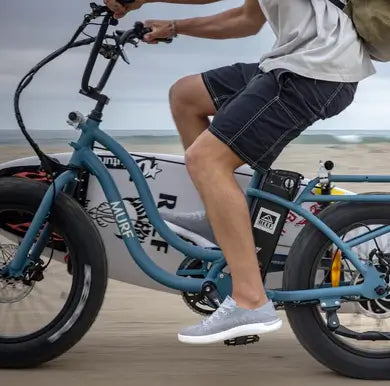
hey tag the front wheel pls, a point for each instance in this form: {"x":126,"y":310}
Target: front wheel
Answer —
{"x":309,"y":266}
{"x":45,"y":313}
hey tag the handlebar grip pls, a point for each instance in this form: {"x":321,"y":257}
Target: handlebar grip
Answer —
{"x":164,"y":40}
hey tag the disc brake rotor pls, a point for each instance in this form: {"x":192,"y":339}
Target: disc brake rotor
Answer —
{"x":11,"y":290}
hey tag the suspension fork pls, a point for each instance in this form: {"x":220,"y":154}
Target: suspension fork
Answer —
{"x":27,"y":251}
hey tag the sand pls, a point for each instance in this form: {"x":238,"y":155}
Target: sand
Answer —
{"x":134,"y":342}
{"x":302,"y":158}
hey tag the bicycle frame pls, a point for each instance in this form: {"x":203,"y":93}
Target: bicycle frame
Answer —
{"x":84,"y":157}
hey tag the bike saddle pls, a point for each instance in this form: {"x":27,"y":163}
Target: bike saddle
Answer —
{"x":195,"y":222}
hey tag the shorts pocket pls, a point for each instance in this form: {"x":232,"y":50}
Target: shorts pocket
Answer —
{"x":340,"y":101}
{"x":324,"y":99}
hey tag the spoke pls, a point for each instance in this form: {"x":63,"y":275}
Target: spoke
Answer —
{"x":367,"y":315}
{"x":382,"y":307}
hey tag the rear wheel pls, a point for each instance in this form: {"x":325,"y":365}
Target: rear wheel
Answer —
{"x":308,"y":266}
{"x":42,"y":316}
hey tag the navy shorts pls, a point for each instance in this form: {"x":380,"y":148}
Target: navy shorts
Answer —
{"x":259,"y":113}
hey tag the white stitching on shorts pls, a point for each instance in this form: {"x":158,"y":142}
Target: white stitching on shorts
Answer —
{"x":332,"y":97}
{"x":270,"y":149}
{"x":287,"y":110}
{"x":219,"y":133}
{"x":222,"y":99}
{"x":244,"y":156}
{"x":256,"y":116}
{"x":213,"y":94}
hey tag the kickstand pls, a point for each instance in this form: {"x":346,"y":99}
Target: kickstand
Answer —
{"x":332,"y":320}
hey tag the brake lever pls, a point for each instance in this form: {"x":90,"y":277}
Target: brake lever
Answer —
{"x":119,"y":47}
{"x":97,"y":11}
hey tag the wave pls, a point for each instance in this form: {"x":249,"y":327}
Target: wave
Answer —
{"x":60,"y":137}
{"x":342,"y":139}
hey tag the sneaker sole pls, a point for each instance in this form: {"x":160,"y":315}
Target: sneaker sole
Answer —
{"x":235,"y":332}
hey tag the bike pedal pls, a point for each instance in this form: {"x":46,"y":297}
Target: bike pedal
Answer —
{"x":242,"y":340}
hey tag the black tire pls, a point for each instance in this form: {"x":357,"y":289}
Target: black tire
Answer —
{"x":306,"y":321}
{"x":88,"y":278}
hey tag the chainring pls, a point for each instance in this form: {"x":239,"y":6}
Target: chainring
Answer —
{"x":196,"y":301}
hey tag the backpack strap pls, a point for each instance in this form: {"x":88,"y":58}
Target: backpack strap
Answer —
{"x":339,"y":3}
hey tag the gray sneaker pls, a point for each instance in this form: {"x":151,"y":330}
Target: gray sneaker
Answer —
{"x":230,"y":321}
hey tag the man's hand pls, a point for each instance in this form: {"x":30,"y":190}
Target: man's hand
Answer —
{"x":121,"y":10}
{"x":161,"y":29}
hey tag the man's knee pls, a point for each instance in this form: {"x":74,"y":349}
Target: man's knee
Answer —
{"x":180,"y":93}
{"x":190,"y":93}
{"x":208,"y":158}
{"x":196,"y":160}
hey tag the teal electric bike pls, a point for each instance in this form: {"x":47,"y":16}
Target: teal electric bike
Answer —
{"x":338,"y":266}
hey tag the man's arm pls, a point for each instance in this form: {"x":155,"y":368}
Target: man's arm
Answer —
{"x":235,"y":23}
{"x":121,"y":10}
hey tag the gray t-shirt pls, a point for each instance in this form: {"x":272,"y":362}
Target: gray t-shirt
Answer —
{"x":315,"y":39}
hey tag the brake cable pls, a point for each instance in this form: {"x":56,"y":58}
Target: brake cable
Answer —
{"x":47,"y":162}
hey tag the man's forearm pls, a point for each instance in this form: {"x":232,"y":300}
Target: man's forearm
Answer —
{"x":233,"y":23}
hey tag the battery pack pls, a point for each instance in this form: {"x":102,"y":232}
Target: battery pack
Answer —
{"x":268,"y":218}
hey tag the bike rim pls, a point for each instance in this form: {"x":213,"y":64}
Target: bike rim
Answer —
{"x":359,"y":316}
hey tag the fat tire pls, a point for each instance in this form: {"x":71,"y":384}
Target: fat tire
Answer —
{"x":86,"y":245}
{"x":310,"y":331}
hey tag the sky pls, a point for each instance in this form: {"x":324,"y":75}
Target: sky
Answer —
{"x":29,"y":30}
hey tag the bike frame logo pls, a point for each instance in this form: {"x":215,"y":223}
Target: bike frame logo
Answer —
{"x":121,"y":219}
{"x":267,"y":220}
{"x":114,"y":212}
{"x":149,"y":166}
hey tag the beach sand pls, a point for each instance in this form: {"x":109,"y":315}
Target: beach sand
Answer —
{"x":134,"y":341}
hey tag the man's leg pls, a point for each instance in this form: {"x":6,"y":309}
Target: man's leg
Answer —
{"x":244,"y":99}
{"x":211,"y":165}
{"x":191,"y":105}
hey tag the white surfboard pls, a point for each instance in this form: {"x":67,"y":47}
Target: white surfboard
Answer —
{"x":173,"y":193}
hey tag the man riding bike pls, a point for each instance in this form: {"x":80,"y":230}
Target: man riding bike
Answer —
{"x":312,"y":73}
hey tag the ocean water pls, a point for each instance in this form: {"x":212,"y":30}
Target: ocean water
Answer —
{"x":61,"y":137}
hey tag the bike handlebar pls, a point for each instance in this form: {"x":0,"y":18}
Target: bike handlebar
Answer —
{"x":95,"y":52}
{"x":111,"y":52}
{"x":138,"y":32}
